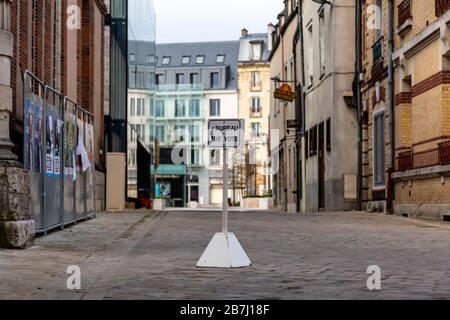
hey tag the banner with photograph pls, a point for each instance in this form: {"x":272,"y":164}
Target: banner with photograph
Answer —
{"x":37,"y":137}
{"x":49,"y":145}
{"x":28,"y":135}
{"x":69,"y":143}
{"x":57,"y":150}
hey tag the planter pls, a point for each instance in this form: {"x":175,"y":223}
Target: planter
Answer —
{"x":159,"y":204}
{"x":257,"y":203}
{"x":193,"y":204}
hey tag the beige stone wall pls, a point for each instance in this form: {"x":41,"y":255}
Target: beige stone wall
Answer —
{"x":245,"y":95}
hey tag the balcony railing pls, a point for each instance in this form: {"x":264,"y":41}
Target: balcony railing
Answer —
{"x":444,"y":153}
{"x":179,"y":87}
{"x":441,"y":6}
{"x":404,"y":12}
{"x":405,"y":161}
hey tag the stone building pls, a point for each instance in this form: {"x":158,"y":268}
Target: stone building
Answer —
{"x":331,"y":126}
{"x":313,"y":52}
{"x":64,"y":48}
{"x":283,"y":140}
{"x":254,"y":107}
{"x":422,"y":109}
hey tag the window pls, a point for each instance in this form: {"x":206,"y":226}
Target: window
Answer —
{"x":322,"y":42}
{"x":200,"y":60}
{"x":256,"y":129}
{"x":165,"y":60}
{"x":180,"y":133}
{"x":306,"y":144}
{"x":186,"y":60}
{"x":180,"y":108}
{"x":328,"y":142}
{"x":194,"y":108}
{"x":214,"y":107}
{"x":256,"y":105}
{"x":255,"y":80}
{"x":220,"y":58}
{"x":138,"y":131}
{"x":313,"y":141}
{"x":142,"y":136}
{"x":215,"y":82}
{"x":159,"y":79}
{"x":144,"y":106}
{"x":194,"y":78}
{"x":152,"y":108}
{"x":379,"y":150}
{"x":132,"y":57}
{"x":310,"y":57}
{"x":195,"y":156}
{"x":139,"y":113}
{"x":133,"y":107}
{"x":179,"y":78}
{"x":150,"y":59}
{"x":152,"y":133}
{"x":214,"y":158}
{"x":160,"y":133}
{"x":379,"y":20}
{"x":256,"y":51}
{"x":194,"y":133}
{"x":160,"y":110}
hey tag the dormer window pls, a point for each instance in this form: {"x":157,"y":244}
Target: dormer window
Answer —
{"x":256,"y":51}
{"x":186,"y":60}
{"x":200,"y":60}
{"x":165,"y":61}
{"x":220,"y":58}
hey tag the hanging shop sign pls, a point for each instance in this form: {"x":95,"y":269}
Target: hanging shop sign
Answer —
{"x":284,"y":93}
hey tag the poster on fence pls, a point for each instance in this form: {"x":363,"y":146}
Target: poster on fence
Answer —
{"x":57,"y":150}
{"x":49,"y":145}
{"x":28,"y":135}
{"x":90,"y":142}
{"x":69,"y":143}
{"x":37,"y":134}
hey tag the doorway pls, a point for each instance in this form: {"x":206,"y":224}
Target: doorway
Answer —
{"x":321,"y":172}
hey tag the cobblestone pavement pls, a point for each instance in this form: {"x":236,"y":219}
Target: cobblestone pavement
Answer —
{"x":152,"y":255}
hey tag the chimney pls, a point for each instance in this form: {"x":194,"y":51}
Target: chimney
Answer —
{"x":244,"y":33}
{"x":270,"y":29}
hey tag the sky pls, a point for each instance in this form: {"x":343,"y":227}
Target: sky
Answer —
{"x":212,"y":20}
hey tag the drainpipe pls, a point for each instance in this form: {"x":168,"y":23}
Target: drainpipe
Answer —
{"x":303,"y":98}
{"x":390,"y":196}
{"x":358,"y":102}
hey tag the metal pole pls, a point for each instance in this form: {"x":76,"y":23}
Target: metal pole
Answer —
{"x":44,"y":159}
{"x":225,"y":191}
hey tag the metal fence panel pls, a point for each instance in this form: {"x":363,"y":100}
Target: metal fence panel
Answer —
{"x":62,"y":191}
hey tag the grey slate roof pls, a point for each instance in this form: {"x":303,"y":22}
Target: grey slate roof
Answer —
{"x":245,"y":48}
{"x":208,"y":49}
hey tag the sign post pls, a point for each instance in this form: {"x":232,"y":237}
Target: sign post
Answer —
{"x":224,"y":250}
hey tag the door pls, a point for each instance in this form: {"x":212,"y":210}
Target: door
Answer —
{"x":321,"y":167}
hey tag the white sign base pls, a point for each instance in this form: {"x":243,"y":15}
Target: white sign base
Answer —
{"x":224,"y":251}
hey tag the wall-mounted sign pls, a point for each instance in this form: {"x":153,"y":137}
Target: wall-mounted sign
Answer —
{"x":284,"y":93}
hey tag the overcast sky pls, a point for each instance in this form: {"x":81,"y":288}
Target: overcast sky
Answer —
{"x":209,"y":20}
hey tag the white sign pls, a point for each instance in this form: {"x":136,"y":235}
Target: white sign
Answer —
{"x":226,"y":133}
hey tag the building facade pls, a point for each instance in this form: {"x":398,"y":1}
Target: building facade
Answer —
{"x":331,"y":123}
{"x":413,"y":181}
{"x":283,"y":140}
{"x":194,"y":82}
{"x":313,"y":52}
{"x":254,"y":108}
{"x":64,"y":49}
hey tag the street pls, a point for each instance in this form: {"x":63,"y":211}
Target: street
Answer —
{"x":153,"y":255}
